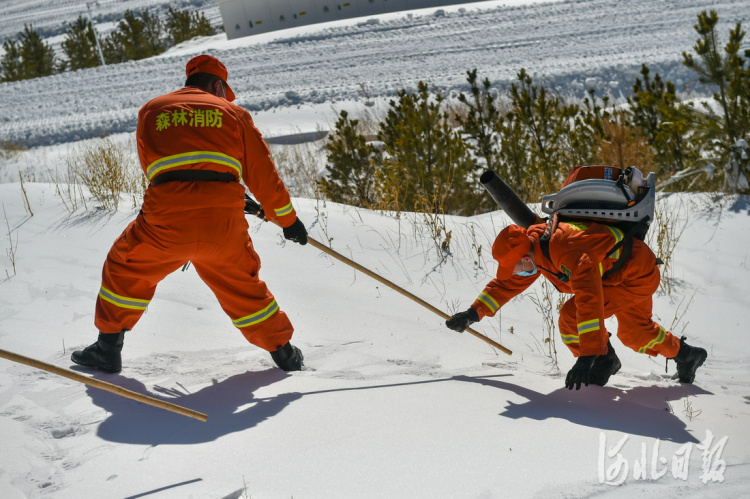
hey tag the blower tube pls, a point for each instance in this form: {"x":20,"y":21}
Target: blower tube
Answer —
{"x":508,"y":200}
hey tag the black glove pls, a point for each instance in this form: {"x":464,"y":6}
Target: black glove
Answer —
{"x":580,"y":372}
{"x":296,"y":232}
{"x":460,"y":321}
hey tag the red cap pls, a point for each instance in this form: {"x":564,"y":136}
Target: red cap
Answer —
{"x":212,"y":66}
{"x":509,"y":248}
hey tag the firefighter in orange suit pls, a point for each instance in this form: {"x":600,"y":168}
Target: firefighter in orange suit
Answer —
{"x":195,"y":147}
{"x":577,"y":261}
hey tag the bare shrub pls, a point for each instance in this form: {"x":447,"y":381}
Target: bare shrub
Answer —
{"x":108,"y":170}
{"x":10,"y":149}
{"x":298,"y":165}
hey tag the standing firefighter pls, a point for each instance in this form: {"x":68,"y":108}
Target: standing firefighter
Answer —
{"x":608,"y":271}
{"x":195,"y":146}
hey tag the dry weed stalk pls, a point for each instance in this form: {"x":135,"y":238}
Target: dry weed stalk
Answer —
{"x":11,"y":252}
{"x":298,"y":166}
{"x":68,"y":188}
{"x":322,"y":220}
{"x":663,"y":237}
{"x":548,"y":305}
{"x":26,"y":204}
{"x":690,"y":412}
{"x":678,"y":321}
{"x":476,"y":248}
{"x":668,"y":408}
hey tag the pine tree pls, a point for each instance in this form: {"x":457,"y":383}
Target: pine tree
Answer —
{"x":11,"y":64}
{"x":153,"y":30}
{"x":514,"y":160}
{"x":182,"y":25}
{"x":351,"y":165}
{"x":37,"y":55}
{"x":134,"y":38}
{"x":659,"y":115}
{"x":483,"y":119}
{"x":428,"y":167}
{"x":80,"y":45}
{"x":30,"y":57}
{"x":539,"y":114}
{"x":728,"y":132}
{"x":581,"y":130}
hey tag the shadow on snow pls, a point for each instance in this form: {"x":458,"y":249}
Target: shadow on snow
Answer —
{"x":232,"y":407}
{"x":638,"y":411}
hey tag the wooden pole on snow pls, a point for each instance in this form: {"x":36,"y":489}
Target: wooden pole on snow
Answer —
{"x":401,"y":290}
{"x":103,"y":385}
{"x":252,"y":207}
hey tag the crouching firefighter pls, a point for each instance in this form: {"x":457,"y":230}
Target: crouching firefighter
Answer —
{"x":608,"y":271}
{"x":195,"y":146}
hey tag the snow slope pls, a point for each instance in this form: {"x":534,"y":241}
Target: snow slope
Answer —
{"x":575,"y":44}
{"x":392,"y":404}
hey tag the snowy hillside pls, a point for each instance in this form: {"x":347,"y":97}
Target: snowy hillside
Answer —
{"x":393,"y":404}
{"x":576,"y":44}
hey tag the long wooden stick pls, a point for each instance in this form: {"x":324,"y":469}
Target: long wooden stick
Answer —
{"x":102,"y":385}
{"x":252,"y":207}
{"x":401,"y":290}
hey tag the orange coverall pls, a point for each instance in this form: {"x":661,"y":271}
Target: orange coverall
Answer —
{"x":198,"y":221}
{"x":579,"y":250}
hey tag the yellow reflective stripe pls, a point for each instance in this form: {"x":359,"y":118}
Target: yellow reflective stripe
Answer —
{"x":257,"y":317}
{"x":122,"y":301}
{"x":489,"y":301}
{"x":569,"y":339}
{"x":618,"y":235}
{"x":656,"y":341}
{"x":601,"y":269}
{"x":588,"y":326}
{"x":189,"y":158}
{"x":577,"y":225}
{"x":286,"y":210}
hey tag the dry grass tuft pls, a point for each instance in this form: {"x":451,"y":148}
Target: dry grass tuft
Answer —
{"x":108,"y":170}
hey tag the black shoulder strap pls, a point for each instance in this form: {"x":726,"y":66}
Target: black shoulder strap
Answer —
{"x":544,"y":245}
{"x":626,"y":243}
{"x":627,"y":250}
{"x":628,"y":238}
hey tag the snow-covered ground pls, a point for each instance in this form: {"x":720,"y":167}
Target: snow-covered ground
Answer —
{"x":392,"y":403}
{"x":574,"y":44}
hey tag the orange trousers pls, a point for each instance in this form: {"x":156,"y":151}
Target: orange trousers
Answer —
{"x":218,"y":245}
{"x":630,"y":300}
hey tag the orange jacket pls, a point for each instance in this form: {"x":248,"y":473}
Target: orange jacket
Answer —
{"x":192,"y":129}
{"x":579,"y":250}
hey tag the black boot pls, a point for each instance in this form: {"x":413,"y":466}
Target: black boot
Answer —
{"x":604,"y":366}
{"x":104,"y":354}
{"x":688,"y":360}
{"x":288,"y":357}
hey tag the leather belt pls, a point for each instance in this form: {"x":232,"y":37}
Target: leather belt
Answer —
{"x":193,"y":176}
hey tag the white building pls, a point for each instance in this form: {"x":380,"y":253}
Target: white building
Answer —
{"x":251,"y":17}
